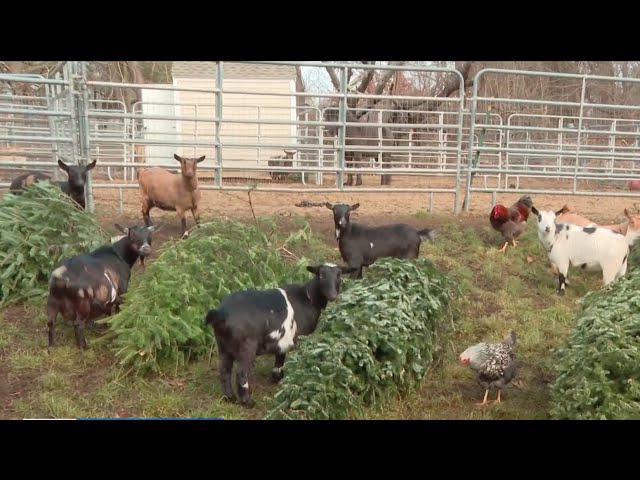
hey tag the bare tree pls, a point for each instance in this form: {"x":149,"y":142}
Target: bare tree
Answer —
{"x":379,"y":83}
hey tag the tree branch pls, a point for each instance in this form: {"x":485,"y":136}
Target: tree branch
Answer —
{"x":334,"y":78}
{"x":443,"y":90}
{"x":386,"y":77}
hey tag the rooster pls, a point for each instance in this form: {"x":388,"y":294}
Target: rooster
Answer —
{"x":494,"y":363}
{"x":511,"y":221}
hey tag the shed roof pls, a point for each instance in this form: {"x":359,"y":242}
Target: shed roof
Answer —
{"x":233,"y":70}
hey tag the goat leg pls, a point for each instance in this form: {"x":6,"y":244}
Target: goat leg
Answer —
{"x":247,"y":357}
{"x":146,"y":208}
{"x":52,"y":312}
{"x":196,"y":214}
{"x":183,"y":223}
{"x":277,"y":372}
{"x":182,"y":215}
{"x":78,"y":326}
{"x":349,"y":181}
{"x":82,"y":312}
{"x":225,"y":367}
{"x":356,"y":275}
{"x":561,"y":284}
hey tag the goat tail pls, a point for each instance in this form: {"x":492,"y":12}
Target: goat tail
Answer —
{"x":64,"y":280}
{"x":214,"y":317}
{"x":427,"y":233}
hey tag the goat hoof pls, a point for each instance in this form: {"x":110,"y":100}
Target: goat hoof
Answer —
{"x":249,"y":403}
{"x":561,"y":292}
{"x":276,"y":376}
{"x":231,"y":399}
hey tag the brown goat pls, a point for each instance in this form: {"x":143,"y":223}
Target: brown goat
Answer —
{"x":171,"y":192}
{"x":567,"y":215}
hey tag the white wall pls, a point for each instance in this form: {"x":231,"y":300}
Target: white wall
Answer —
{"x":159,"y":130}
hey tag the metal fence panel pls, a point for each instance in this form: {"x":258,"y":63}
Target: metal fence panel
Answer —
{"x":552,"y":146}
{"x":39,"y":128}
{"x":264,"y":135}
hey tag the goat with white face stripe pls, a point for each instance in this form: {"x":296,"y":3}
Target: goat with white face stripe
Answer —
{"x":253,"y":322}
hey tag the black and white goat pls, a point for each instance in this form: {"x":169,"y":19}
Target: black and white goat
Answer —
{"x":591,"y":248}
{"x":253,"y":322}
{"x":361,"y":245}
{"x":85,"y":287}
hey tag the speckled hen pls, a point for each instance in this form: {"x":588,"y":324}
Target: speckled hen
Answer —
{"x":494,"y":363}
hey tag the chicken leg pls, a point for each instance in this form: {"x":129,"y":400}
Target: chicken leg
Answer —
{"x":484,"y":402}
{"x":497,"y":400}
{"x":504,"y":247}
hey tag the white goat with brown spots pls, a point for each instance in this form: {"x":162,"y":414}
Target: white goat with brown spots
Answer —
{"x":171,"y":192}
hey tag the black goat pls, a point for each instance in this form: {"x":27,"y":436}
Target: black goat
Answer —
{"x":73,"y":186}
{"x":85,"y":287}
{"x":259,"y":322}
{"x":361,"y":245}
{"x":285,"y":162}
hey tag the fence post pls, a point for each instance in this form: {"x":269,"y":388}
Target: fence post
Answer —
{"x":219,"y":82}
{"x":472,"y":127}
{"x":578,"y":140}
{"x":73,"y":125}
{"x":342,"y":128}
{"x":84,"y":130}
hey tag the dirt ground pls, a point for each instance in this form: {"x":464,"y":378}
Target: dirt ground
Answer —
{"x":375,"y":206}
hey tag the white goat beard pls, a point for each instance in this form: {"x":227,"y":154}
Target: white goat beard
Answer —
{"x":337,"y":234}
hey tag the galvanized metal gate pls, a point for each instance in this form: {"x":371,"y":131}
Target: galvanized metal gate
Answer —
{"x":579,"y":147}
{"x":50,"y":125}
{"x":427,"y":144}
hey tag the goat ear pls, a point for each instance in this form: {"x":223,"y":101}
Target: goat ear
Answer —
{"x":535,"y":211}
{"x":328,"y":205}
{"x":92,"y":165}
{"x":348,"y":269}
{"x":63,"y":165}
{"x":355,"y":206}
{"x":201,"y":159}
{"x":124,"y":230}
{"x":177,"y":157}
{"x":313,"y":269}
{"x":627,"y":214}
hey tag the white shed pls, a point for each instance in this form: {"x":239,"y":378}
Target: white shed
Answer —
{"x":264,"y":92}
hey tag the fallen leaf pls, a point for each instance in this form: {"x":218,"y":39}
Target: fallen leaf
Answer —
{"x":529,"y":259}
